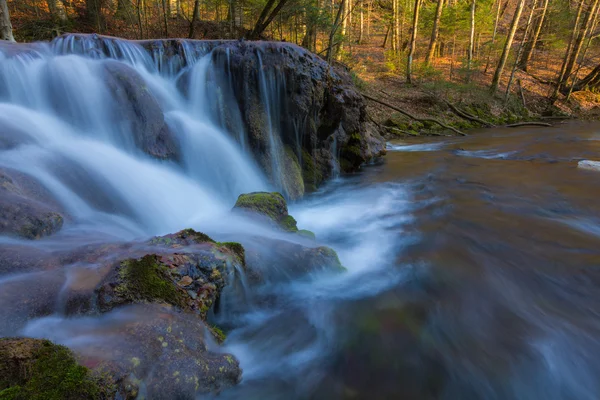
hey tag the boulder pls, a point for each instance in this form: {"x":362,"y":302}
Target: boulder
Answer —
{"x":186,"y":270}
{"x":270,"y":207}
{"x":39,"y":369}
{"x":138,"y":113}
{"x":26,"y":208}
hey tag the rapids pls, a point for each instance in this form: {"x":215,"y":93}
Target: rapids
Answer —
{"x":472,"y":263}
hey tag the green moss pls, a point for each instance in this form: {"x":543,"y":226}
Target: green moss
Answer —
{"x":288,"y":223}
{"x":147,"y":279}
{"x":307,"y":233}
{"x":310,"y":173}
{"x":269,"y":204}
{"x":218,"y":334}
{"x":292,"y":174}
{"x":331,"y":253}
{"x":196,"y":236}
{"x":50,"y":372}
{"x":236,"y":248}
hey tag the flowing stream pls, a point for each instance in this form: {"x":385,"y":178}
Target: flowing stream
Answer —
{"x":473,"y":263}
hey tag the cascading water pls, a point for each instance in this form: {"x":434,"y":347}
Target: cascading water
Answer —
{"x":73,"y":136}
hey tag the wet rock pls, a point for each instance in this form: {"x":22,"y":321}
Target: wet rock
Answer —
{"x":276,"y":260}
{"x":26,"y":208}
{"x":39,"y":369}
{"x":139,"y":112}
{"x":270,"y":205}
{"x":589,"y":165}
{"x":156,"y":351}
{"x":186,"y":270}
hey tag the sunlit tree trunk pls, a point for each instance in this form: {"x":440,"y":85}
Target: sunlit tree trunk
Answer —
{"x":471,"y":36}
{"x":520,"y":51}
{"x":585,"y":27}
{"x":394,"y":25}
{"x":435,"y":31}
{"x":5,"y":25}
{"x":361,"y":28}
{"x":561,"y":74}
{"x":413,"y":41}
{"x":506,"y":50}
{"x":532,"y":42}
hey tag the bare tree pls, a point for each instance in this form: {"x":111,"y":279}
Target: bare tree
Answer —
{"x":5,"y":25}
{"x":561,"y":74}
{"x":472,"y":35}
{"x":266,"y":17}
{"x":194,"y":18}
{"x":532,"y":42}
{"x":583,"y":32}
{"x":506,"y":50}
{"x":413,"y":42}
{"x":435,"y":31}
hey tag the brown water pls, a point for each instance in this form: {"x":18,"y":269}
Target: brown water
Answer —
{"x":480,"y":279}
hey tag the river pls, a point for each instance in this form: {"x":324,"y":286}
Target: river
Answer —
{"x":473,"y":274}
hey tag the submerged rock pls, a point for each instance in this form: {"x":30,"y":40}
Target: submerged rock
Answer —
{"x":39,"y":369}
{"x":139,"y":113}
{"x":26,"y":208}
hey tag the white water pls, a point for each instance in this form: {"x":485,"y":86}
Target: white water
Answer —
{"x":68,"y":123}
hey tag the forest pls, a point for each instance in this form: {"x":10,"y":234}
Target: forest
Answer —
{"x":533,"y":53}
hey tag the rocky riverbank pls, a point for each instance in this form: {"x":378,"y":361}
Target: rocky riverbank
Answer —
{"x":152,"y":298}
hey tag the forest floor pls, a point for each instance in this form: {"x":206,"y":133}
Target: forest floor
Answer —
{"x":380,"y":76}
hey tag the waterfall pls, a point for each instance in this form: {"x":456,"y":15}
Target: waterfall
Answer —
{"x":87,"y":117}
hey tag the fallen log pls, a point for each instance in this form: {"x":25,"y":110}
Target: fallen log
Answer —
{"x":409,"y":115}
{"x":467,"y":116}
{"x":519,"y":124}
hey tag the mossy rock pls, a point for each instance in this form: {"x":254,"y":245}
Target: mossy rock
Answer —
{"x":32,"y":369}
{"x":311,"y":174}
{"x":269,"y":205}
{"x":293,"y":180}
{"x":146,"y":279}
{"x":307,"y":234}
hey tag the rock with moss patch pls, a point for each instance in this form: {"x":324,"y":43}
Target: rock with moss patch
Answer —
{"x":32,"y":369}
{"x":271,"y":206}
{"x":186,"y":269}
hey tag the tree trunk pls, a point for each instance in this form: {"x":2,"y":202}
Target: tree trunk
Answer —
{"x":5,"y":25}
{"x":124,"y":9}
{"x":561,"y":74}
{"x":93,"y":13}
{"x":585,"y":27}
{"x":385,"y":37}
{"x":435,"y":31}
{"x":471,"y":36}
{"x":266,"y":18}
{"x":165,"y":17}
{"x":520,"y":51}
{"x":413,"y":41}
{"x":530,"y":45}
{"x":506,"y":50}
{"x":361,"y":29}
{"x":57,"y":9}
{"x":334,"y":28}
{"x":194,"y":17}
